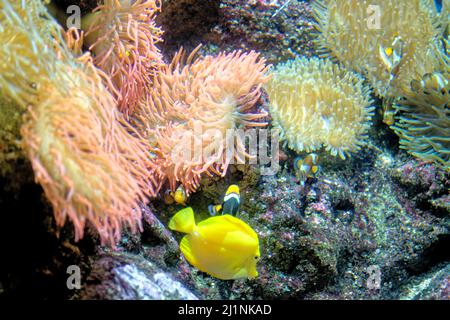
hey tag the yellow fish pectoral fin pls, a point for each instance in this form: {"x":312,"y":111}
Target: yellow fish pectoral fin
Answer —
{"x":183,"y":221}
{"x":185,"y":247}
{"x":248,"y":272}
{"x":314,"y":169}
{"x":241,"y":274}
{"x":252,"y":272}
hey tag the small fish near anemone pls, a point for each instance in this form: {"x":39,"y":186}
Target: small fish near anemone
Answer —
{"x":179,"y":196}
{"x":222,"y":246}
{"x":231,"y":202}
{"x":306,"y":167}
{"x":423,"y":118}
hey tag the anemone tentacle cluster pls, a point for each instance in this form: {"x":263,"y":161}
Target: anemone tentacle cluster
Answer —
{"x":405,"y":59}
{"x":94,"y":165}
{"x":122,"y":36}
{"x":192,"y":104}
{"x":90,"y":167}
{"x":317,"y":103}
{"x":355,"y":31}
{"x":423,"y":117}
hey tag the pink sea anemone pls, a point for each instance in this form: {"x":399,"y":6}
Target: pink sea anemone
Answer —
{"x":122,"y":36}
{"x":192,"y":105}
{"x":91,"y":168}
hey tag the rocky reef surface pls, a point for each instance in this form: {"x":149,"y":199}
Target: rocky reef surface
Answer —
{"x":372,"y":227}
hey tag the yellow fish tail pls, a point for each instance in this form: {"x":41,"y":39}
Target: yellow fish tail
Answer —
{"x":183,"y":221}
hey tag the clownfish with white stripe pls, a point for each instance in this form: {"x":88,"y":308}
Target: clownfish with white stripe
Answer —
{"x":231,"y":202}
{"x":179,"y":196}
{"x":306,"y":167}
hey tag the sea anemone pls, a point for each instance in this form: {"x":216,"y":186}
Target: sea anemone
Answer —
{"x":317,"y":103}
{"x":192,"y":106}
{"x":360,"y":33}
{"x":122,"y":36}
{"x":423,"y":115}
{"x":24,"y":57}
{"x":10,"y":122}
{"x":400,"y":47}
{"x":30,"y":39}
{"x":86,"y":162}
{"x":82,"y":152}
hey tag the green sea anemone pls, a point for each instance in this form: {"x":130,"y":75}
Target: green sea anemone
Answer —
{"x":423,"y":115}
{"x":361,"y":33}
{"x":317,"y":103}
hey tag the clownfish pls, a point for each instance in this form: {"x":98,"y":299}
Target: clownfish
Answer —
{"x":231,"y":202}
{"x":179,"y":196}
{"x":223,"y":246}
{"x":306,"y":167}
{"x":391,"y":56}
{"x":167,"y":197}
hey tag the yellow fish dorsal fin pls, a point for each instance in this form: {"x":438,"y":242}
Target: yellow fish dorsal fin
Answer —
{"x":183,"y":221}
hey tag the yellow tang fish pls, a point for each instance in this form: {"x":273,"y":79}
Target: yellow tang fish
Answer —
{"x":222,"y":246}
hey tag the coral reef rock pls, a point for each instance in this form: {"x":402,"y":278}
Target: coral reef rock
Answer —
{"x":122,"y":276}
